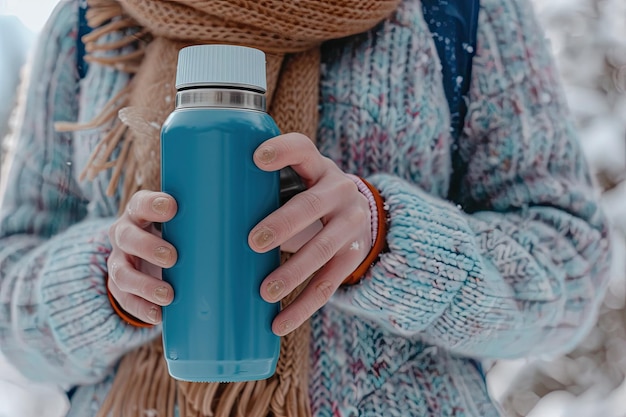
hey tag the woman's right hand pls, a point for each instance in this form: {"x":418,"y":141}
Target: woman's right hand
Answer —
{"x":139,"y":254}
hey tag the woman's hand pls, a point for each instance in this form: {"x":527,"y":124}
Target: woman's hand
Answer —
{"x":334,"y":252}
{"x":138,"y":255}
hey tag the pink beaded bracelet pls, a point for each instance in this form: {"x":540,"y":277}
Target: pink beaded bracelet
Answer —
{"x":379,"y":229}
{"x":364,"y":189}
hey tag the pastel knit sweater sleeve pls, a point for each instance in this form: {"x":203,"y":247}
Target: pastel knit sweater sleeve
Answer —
{"x":56,"y":323}
{"x":518,"y":263}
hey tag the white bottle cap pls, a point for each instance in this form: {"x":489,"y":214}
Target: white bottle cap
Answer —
{"x":221,"y":65}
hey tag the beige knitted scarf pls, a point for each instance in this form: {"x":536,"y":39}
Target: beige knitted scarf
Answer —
{"x":290,"y":33}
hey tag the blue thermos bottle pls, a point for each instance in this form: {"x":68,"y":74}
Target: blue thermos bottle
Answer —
{"x":218,"y":328}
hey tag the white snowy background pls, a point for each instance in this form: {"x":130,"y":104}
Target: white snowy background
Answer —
{"x":588,"y":38}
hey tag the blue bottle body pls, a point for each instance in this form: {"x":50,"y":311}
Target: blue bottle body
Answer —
{"x":218,"y":328}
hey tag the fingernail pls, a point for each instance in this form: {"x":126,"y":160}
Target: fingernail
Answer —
{"x":163,"y":254}
{"x":263,"y":238}
{"x":275,"y":289}
{"x":162,"y":294}
{"x":286,"y":326}
{"x":153,"y":313}
{"x":266,"y":154}
{"x":160,"y":205}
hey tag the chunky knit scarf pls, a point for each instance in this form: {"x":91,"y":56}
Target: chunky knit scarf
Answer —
{"x":290,"y":33}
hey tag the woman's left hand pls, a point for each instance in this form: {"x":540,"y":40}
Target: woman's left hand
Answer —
{"x":334,"y":252}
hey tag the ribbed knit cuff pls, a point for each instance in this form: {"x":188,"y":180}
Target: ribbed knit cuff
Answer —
{"x":429,"y":259}
{"x":73,"y":293}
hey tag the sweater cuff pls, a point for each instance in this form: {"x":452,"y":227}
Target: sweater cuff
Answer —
{"x":74,"y":296}
{"x":431,"y":254}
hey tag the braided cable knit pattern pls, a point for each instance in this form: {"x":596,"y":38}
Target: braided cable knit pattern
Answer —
{"x":380,"y":92}
{"x":515,"y":265}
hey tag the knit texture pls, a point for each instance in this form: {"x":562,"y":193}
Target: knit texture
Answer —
{"x":53,"y":317}
{"x":515,"y":265}
{"x":290,"y":33}
{"x":294,"y":82}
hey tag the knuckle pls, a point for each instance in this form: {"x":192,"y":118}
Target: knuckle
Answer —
{"x":346,"y":186}
{"x":139,"y":309}
{"x":323,"y":291}
{"x":288,"y":225}
{"x":140,"y":196}
{"x":123,"y":235}
{"x":292,"y":272}
{"x":128,"y":303}
{"x":142,"y":240}
{"x":302,"y":136}
{"x":144,"y":288}
{"x":297,"y":137}
{"x":325,"y":247}
{"x":329,"y":163}
{"x":312,"y":203}
{"x":359,"y":216}
{"x":282,"y":224}
{"x":318,"y":296}
{"x":123,"y":278}
{"x":138,"y":201}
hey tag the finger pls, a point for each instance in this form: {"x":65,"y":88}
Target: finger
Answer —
{"x":294,"y":244}
{"x":302,"y":211}
{"x":326,"y":245}
{"x":295,"y":150}
{"x":316,"y":294}
{"x":136,"y":306}
{"x":132,"y":240}
{"x":146,"y":207}
{"x":129,"y":280}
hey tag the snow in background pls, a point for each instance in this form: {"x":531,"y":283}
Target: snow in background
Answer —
{"x":15,"y":44}
{"x":20,"y":20}
{"x":588,"y":38}
{"x":32,"y":13}
{"x":22,"y":398}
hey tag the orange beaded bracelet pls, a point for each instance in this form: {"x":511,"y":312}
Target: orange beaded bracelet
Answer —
{"x":381,"y":238}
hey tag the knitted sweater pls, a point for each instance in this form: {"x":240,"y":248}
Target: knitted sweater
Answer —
{"x":514,"y":264}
